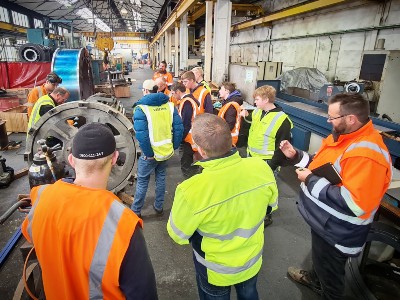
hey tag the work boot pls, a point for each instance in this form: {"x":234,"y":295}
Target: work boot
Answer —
{"x":305,"y":278}
{"x":267,"y":220}
{"x":159,"y":212}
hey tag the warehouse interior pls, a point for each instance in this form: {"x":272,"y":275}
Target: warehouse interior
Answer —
{"x":308,"y":50}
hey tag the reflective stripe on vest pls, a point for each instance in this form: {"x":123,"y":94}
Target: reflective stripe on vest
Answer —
{"x":240,"y":232}
{"x":163,"y":149}
{"x":31,"y":212}
{"x":343,"y":190}
{"x":196,"y":110}
{"x":201,"y":96}
{"x":267,"y":149}
{"x":236,"y":128}
{"x":349,"y":250}
{"x":35,"y":116}
{"x":102,"y":250}
{"x":39,"y":88}
{"x":226,"y":269}
{"x":321,"y":183}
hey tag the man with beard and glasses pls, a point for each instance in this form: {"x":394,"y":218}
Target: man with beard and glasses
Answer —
{"x":340,"y":215}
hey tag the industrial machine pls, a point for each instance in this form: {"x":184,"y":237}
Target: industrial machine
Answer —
{"x":75,"y":68}
{"x":96,"y":109}
{"x":41,"y":45}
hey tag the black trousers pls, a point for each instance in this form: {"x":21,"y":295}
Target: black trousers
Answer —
{"x":186,"y":153}
{"x":329,"y":267}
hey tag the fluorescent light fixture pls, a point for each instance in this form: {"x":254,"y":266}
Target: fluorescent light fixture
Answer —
{"x":85,"y":13}
{"x":67,"y":3}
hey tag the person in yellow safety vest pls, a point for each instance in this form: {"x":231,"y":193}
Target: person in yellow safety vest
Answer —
{"x":340,"y":214}
{"x":52,"y":81}
{"x":46,"y":103}
{"x":198,"y":91}
{"x":188,"y":110}
{"x":269,"y":126}
{"x":88,"y":244}
{"x":159,"y":130}
{"x":217,"y":217}
{"x":230,"y":110}
{"x":198,"y":74}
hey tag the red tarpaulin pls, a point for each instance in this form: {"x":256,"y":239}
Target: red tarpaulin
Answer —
{"x":23,"y":74}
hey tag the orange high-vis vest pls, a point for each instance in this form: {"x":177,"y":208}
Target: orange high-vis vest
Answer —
{"x":33,"y":96}
{"x":196,"y":111}
{"x":200,"y":94}
{"x":235,"y":130}
{"x":368,"y":144}
{"x":80,"y":236}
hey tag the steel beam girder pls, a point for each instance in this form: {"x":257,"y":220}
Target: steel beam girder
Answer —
{"x":291,"y":12}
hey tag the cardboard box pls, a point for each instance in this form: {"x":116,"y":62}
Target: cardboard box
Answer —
{"x":122,"y":91}
{"x":16,"y":119}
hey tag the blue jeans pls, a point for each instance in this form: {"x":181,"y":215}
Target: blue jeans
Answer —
{"x":145,"y":168}
{"x":246,"y":290}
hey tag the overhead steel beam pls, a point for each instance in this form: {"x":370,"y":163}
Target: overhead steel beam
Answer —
{"x":199,"y":11}
{"x":291,"y":12}
{"x":12,"y":28}
{"x":114,"y":34}
{"x":181,"y":8}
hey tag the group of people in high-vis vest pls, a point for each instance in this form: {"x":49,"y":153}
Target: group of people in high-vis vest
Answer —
{"x":223,"y":220}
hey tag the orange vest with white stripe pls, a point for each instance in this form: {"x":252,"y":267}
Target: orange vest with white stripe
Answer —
{"x":196,"y":111}
{"x":80,"y":236}
{"x":366,"y":143}
{"x":235,"y":130}
{"x":33,"y":96}
{"x":200,"y":93}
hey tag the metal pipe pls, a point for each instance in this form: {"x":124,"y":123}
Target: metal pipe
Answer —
{"x":13,"y":208}
{"x":322,"y":34}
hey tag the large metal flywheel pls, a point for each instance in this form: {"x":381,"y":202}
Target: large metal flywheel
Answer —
{"x":56,"y":123}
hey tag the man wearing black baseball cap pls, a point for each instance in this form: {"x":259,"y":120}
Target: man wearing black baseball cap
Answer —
{"x":89,"y":245}
{"x":52,"y":81}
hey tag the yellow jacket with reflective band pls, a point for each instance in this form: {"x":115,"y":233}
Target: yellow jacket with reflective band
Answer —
{"x":235,"y":130}
{"x":196,"y":111}
{"x":159,"y":119}
{"x":35,"y":116}
{"x":80,"y":236}
{"x":225,"y":218}
{"x":261,"y":142}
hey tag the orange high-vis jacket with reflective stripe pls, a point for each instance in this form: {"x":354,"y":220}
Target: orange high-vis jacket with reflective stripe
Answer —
{"x":196,"y":110}
{"x":355,"y":156}
{"x":200,"y":94}
{"x":80,"y":236}
{"x":33,"y":96}
{"x":235,"y":130}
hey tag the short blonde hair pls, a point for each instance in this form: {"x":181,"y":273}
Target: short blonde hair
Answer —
{"x":265,"y":91}
{"x":198,"y":70}
{"x":189,"y":75}
{"x":91,"y":166}
{"x":212,"y":134}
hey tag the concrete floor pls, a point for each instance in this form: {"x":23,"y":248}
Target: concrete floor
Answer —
{"x":287,"y":240}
